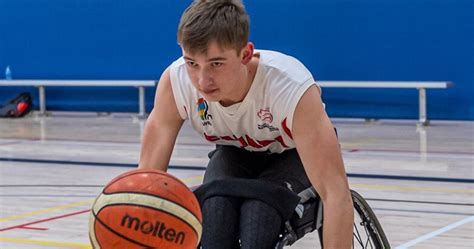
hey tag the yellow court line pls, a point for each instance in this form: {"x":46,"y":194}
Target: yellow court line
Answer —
{"x":57,"y":208}
{"x":75,"y":204}
{"x":412,"y":189}
{"x":46,"y":243}
{"x":355,"y":143}
{"x":192,"y":178}
{"x":48,"y":210}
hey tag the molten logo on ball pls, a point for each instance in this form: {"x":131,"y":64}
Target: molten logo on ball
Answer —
{"x":156,"y":228}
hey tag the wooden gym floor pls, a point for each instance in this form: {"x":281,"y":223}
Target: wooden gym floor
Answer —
{"x":418,"y":180}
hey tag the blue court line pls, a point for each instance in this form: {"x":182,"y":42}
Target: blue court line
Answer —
{"x":93,"y":196}
{"x":127,"y":165}
{"x":413,"y":178}
{"x":435,"y":233}
{"x":202,"y":168}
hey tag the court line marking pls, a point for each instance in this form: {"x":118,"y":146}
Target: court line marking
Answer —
{"x":44,"y":220}
{"x":46,"y":243}
{"x":95,"y":142}
{"x":347,"y":146}
{"x":435,"y":233}
{"x":9,"y":143}
{"x":51,"y":185}
{"x":411,"y":189}
{"x":81,"y":163}
{"x":77,"y":204}
{"x":55,"y":196}
{"x":422,"y":211}
{"x":374,"y":150}
{"x":421,"y":202}
{"x":47,"y":210}
{"x":35,"y":228}
{"x":59,"y":244}
{"x":411,"y":178}
{"x":203,"y":168}
{"x":186,"y":179}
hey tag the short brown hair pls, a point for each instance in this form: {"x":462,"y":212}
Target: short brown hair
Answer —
{"x":204,"y":21}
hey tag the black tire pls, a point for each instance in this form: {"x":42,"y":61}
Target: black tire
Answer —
{"x":368,"y":232}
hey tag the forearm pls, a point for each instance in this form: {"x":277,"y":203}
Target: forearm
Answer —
{"x":338,"y":223}
{"x":157,"y":147}
{"x":320,"y":153}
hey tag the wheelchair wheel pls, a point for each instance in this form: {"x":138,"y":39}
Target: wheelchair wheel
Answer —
{"x":368,"y":232}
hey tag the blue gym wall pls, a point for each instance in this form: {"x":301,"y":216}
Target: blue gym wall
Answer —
{"x":388,"y":40}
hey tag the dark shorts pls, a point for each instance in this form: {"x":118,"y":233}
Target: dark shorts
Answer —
{"x":284,"y":168}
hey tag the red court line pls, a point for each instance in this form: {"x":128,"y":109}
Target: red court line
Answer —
{"x":34,"y":228}
{"x":10,"y":143}
{"x":44,"y":220}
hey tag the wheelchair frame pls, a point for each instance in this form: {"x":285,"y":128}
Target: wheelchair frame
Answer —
{"x":309,"y":217}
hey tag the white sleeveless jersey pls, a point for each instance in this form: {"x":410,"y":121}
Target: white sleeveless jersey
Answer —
{"x":263,"y":120}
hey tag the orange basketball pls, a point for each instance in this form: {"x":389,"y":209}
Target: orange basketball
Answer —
{"x":145,"y":208}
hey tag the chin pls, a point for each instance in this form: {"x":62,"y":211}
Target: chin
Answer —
{"x":212,"y":97}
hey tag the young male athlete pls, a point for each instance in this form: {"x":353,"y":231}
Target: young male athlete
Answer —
{"x":264,"y":111}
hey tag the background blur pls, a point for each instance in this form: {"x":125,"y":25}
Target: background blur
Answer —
{"x":403,"y":40}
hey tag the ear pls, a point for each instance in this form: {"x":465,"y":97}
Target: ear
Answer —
{"x":247,"y":53}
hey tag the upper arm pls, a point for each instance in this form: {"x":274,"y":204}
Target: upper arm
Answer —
{"x":317,"y":145}
{"x":165,"y":111}
{"x":161,"y":128}
{"x":164,"y":98}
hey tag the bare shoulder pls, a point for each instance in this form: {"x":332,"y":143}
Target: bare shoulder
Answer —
{"x":164,"y":91}
{"x":310,"y":119}
{"x":164,"y":99}
{"x":165,"y":80}
{"x":310,"y":103}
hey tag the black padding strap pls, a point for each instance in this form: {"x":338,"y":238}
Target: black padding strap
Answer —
{"x":279,"y":197}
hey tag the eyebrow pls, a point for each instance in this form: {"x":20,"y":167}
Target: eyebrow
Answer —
{"x":209,"y":60}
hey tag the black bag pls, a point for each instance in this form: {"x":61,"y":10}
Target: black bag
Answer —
{"x":19,"y":106}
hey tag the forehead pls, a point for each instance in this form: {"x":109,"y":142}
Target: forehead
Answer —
{"x":213,"y":50}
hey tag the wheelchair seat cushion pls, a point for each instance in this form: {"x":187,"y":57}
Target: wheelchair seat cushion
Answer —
{"x":279,"y":197}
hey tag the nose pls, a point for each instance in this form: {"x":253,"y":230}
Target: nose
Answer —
{"x":204,"y":80}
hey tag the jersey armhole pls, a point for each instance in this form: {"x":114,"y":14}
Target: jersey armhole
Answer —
{"x":178,"y":93}
{"x":297,"y":96}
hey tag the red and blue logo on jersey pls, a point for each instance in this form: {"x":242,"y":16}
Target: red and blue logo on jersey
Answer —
{"x":267,"y":118}
{"x":203,"y":109}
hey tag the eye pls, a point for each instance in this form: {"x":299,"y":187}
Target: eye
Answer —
{"x":216,"y":64}
{"x":191,"y":63}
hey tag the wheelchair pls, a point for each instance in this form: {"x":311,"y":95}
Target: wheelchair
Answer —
{"x":367,"y":232}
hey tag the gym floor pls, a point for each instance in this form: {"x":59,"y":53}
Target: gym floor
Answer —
{"x":418,"y":180}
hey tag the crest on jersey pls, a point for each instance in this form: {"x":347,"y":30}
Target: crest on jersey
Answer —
{"x":266,"y":116}
{"x":203,"y":111}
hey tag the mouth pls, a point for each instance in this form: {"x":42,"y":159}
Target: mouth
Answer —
{"x":209,"y":91}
